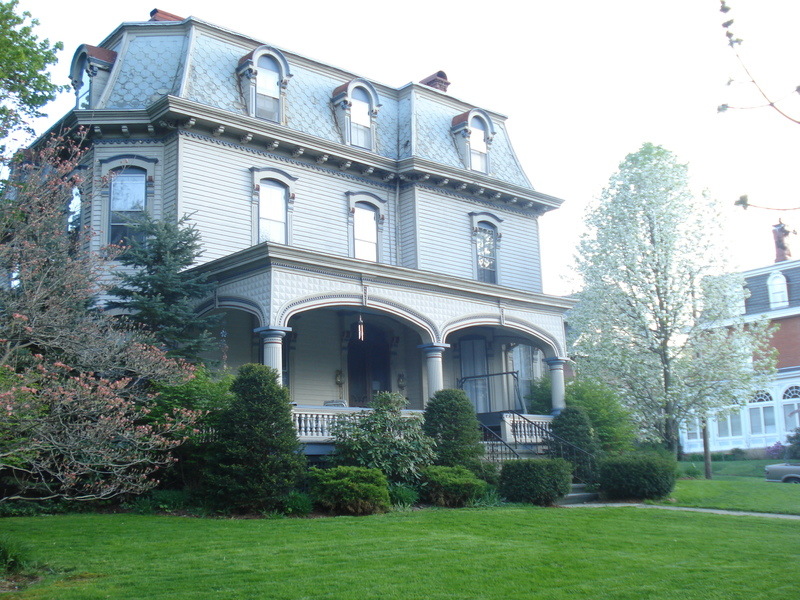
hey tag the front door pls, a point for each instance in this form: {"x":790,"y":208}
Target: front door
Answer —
{"x":368,"y":366}
{"x":473,"y":362}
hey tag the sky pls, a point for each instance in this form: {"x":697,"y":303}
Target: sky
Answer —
{"x":584,"y":83}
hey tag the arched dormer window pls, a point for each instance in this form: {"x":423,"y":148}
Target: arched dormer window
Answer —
{"x":486,"y":237}
{"x":356,"y":107}
{"x":89,"y":74}
{"x":473,"y":132}
{"x":778,"y":294}
{"x":272,"y":205}
{"x":367,"y":216}
{"x":263,"y":76}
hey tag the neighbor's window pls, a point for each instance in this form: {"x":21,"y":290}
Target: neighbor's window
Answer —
{"x":778,"y":295}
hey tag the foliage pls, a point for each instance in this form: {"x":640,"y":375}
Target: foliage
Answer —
{"x":488,"y":471}
{"x":14,"y":556}
{"x":793,"y":440}
{"x":610,"y":420}
{"x":73,"y":435}
{"x":159,"y":501}
{"x":573,"y":425}
{"x":256,"y":459}
{"x":451,"y":486}
{"x":539,"y":481}
{"x":298,"y":504}
{"x":540,"y":396}
{"x":158,"y":293}
{"x":350,"y":490}
{"x":450,"y":420}
{"x":384,"y":439}
{"x":692,"y":472}
{"x":637,"y":476}
{"x":25,"y":84}
{"x":777,"y":450}
{"x":403,"y":496}
{"x":653,"y":291}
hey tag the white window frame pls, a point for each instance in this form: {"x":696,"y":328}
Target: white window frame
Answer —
{"x":248,"y":72}
{"x":116,"y":164}
{"x":726,"y":422}
{"x":476,"y":219}
{"x":343,"y":101}
{"x":379,"y":205}
{"x":465,"y":136}
{"x":284,"y":179}
{"x":778,"y":292}
{"x":791,"y":410}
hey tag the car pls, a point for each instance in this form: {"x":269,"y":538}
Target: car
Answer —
{"x":783,"y":472}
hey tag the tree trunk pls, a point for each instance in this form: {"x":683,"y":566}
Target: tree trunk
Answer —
{"x":706,"y":451}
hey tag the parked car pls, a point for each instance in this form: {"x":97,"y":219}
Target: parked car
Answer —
{"x":783,"y":472}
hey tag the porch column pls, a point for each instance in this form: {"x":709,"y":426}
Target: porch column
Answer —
{"x":433,"y":363}
{"x":557,"y":383}
{"x":272,"y":340}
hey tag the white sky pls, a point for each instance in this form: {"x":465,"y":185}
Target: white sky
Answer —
{"x":583,"y":82}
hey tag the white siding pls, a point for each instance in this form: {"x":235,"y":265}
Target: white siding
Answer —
{"x":407,"y":214}
{"x":315,"y":356}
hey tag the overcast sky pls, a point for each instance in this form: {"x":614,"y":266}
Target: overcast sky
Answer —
{"x":583,"y":83}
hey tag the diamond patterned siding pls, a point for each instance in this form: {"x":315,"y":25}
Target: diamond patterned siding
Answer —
{"x":212,"y":75}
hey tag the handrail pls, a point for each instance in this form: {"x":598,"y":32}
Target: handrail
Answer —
{"x":585,"y":462}
{"x":497,"y":450}
{"x":514,"y":374}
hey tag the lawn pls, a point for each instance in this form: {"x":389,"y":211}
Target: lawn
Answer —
{"x":501,"y":553}
{"x":737,"y":493}
{"x":737,"y":468}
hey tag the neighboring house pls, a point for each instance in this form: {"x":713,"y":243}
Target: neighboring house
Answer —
{"x":773,"y":412}
{"x":362,"y":237}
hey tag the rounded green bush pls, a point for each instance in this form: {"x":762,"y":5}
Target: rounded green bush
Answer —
{"x":637,"y":476}
{"x":450,"y":420}
{"x":537,"y":481}
{"x":350,"y":490}
{"x":451,"y":486}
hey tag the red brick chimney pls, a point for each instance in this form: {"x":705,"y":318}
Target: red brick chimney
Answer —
{"x":437,"y":81}
{"x":162,"y":15}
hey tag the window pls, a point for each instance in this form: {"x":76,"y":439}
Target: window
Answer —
{"x":478,"y":148}
{"x":729,"y":425}
{"x":486,"y":248}
{"x":365,"y":232}
{"x":268,"y":89}
{"x":89,"y":73}
{"x":762,"y":420}
{"x":693,"y":429}
{"x":356,"y":107}
{"x":761,"y":396}
{"x":272,"y":205}
{"x":473,"y":132}
{"x":791,"y":410}
{"x":778,"y":296}
{"x":128,"y":201}
{"x":83,"y":89}
{"x":263,"y":75}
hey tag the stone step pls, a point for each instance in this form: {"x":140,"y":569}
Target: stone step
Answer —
{"x":578,"y":495}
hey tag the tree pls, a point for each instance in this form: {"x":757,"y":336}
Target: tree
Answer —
{"x":158,"y":294}
{"x":656,"y":321}
{"x":610,"y":420}
{"x":25,"y":85}
{"x":256,"y":460}
{"x":450,"y":420}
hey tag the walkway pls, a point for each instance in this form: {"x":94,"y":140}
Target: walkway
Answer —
{"x":716,"y":511}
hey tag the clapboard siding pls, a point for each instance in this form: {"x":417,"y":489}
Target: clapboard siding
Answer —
{"x":407,"y":215}
{"x":318,"y":356}
{"x":170,"y":177}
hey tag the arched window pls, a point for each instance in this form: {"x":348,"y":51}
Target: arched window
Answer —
{"x":791,"y":410}
{"x":272,"y":204}
{"x":356,"y":107}
{"x":89,"y":74}
{"x":365,"y":231}
{"x":128,"y":202}
{"x":778,"y":295}
{"x":478,"y":148}
{"x":486,"y":249}
{"x":84,"y":87}
{"x":268,"y":88}
{"x":360,"y":119}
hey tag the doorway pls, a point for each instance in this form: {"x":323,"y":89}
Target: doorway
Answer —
{"x":368,"y":365}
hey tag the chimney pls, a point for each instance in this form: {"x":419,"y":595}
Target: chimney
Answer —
{"x":162,"y":15}
{"x":437,"y":81}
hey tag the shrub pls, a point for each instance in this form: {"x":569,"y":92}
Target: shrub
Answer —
{"x":298,"y":504}
{"x":450,"y":420}
{"x":572,"y":425}
{"x":350,"y":490}
{"x":255,"y":460}
{"x":538,"y":481}
{"x":738,"y":454}
{"x":488,"y":471}
{"x":637,"y":476}
{"x":794,"y":445}
{"x":403,"y":496}
{"x":611,"y":422}
{"x":384,"y":439}
{"x":540,"y":396}
{"x":451,"y":486}
{"x":777,"y":450}
{"x":13,"y":556}
{"x":692,"y":472}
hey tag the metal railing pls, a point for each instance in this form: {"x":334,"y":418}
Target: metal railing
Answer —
{"x":495,"y":449}
{"x":518,"y":402}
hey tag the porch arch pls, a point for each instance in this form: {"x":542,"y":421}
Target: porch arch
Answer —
{"x":551,"y":347}
{"x":236,"y":303}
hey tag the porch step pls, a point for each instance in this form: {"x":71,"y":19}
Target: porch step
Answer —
{"x":578,"y":495}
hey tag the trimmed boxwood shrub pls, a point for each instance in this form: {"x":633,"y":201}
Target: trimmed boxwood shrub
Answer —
{"x":450,"y":420}
{"x":539,"y":481}
{"x":637,"y":476}
{"x":451,"y":486}
{"x":350,"y":490}
{"x":488,"y":471}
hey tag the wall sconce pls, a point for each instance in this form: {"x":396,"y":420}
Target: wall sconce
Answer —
{"x":339,"y":378}
{"x":401,"y":381}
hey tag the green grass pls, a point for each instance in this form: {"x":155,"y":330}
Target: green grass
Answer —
{"x":737,"y":493}
{"x":737,"y":468}
{"x":506,"y":553}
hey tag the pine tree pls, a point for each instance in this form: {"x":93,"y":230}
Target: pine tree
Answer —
{"x":157,"y":293}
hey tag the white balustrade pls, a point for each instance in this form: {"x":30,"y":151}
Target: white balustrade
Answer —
{"x":314,"y":423}
{"x":521,"y":429}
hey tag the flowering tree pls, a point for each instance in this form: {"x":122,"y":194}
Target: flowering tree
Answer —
{"x":657,"y":321}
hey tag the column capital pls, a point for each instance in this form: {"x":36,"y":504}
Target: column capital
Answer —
{"x":556,"y":363}
{"x":272,"y":333}
{"x":433,"y":349}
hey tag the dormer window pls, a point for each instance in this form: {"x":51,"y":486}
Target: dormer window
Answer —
{"x":89,"y":74}
{"x":263,"y":76}
{"x":473,"y":132}
{"x":356,"y":107}
{"x":778,"y":294}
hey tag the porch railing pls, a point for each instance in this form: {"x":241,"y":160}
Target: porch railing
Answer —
{"x":496,"y":450}
{"x":518,"y":402}
{"x":315,"y":423}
